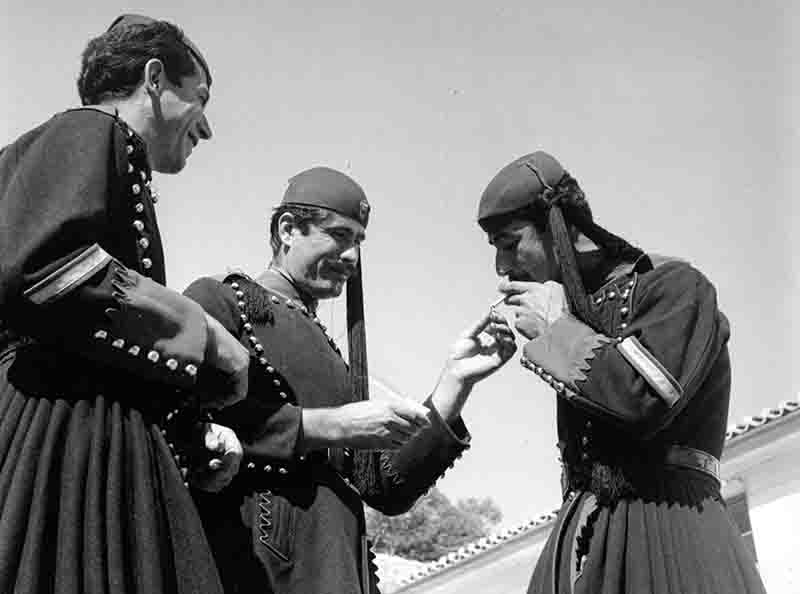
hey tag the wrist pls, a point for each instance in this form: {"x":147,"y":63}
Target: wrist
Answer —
{"x":451,"y":381}
{"x":450,"y":395}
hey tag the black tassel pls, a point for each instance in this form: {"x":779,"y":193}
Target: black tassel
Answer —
{"x":365,"y":463}
{"x":357,"y":337}
{"x":570,"y":275}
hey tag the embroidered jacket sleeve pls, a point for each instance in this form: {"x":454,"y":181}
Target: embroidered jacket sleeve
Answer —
{"x":70,"y":267}
{"x":391,"y":481}
{"x":669,"y":335}
{"x":268,"y":422}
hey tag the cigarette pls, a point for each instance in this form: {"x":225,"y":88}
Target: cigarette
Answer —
{"x":498,"y":302}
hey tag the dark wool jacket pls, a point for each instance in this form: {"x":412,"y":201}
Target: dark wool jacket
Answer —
{"x":291,"y":523}
{"x":615,"y":413}
{"x":96,"y":351}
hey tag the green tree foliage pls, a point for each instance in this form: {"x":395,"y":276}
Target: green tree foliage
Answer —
{"x":434,"y":527}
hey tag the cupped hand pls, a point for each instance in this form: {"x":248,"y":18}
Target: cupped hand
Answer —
{"x":381,"y":424}
{"x":535,"y":306}
{"x":481,"y":349}
{"x":225,"y":453}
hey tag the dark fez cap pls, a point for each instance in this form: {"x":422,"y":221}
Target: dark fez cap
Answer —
{"x":519,"y":183}
{"x":126,"y":20}
{"x":329,"y":189}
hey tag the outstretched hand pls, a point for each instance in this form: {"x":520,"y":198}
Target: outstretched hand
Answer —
{"x":481,"y":349}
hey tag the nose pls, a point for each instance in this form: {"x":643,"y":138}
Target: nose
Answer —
{"x":351,"y":255}
{"x":204,"y":128}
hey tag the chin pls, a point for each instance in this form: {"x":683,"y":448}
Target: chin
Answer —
{"x":329,"y":291}
{"x":334,"y":291}
{"x":169,"y":165}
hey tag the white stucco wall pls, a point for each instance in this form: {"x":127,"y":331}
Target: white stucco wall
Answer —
{"x":506,"y":570}
{"x":774,"y":500}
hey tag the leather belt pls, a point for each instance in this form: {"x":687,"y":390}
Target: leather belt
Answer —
{"x":613,"y":481}
{"x":694,"y":459}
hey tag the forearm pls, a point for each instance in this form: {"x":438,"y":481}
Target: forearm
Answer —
{"x":449,"y":397}
{"x":322,"y":428}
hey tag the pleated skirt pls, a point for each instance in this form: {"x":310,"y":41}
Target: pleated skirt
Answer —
{"x":659,"y":545}
{"x":92,"y":502}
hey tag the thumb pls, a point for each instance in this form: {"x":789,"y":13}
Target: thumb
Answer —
{"x":411,"y":410}
{"x":212,"y":439}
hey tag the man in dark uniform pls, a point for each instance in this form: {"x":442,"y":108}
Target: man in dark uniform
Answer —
{"x":96,"y":350}
{"x":292,"y":521}
{"x":635,"y":348}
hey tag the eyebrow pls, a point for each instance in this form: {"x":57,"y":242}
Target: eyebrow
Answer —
{"x":359,"y":235}
{"x":501,"y":235}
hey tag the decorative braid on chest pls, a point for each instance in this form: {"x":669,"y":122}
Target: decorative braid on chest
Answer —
{"x":256,"y":304}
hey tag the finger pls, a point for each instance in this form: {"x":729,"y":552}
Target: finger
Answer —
{"x":214,"y":464}
{"x":497,"y":329}
{"x":230,"y":444}
{"x":477,"y":327}
{"x":507,"y":350}
{"x":497,"y":317}
{"x":407,"y":429}
{"x":516,"y":300}
{"x":398,"y":442}
{"x":411,"y":411}
{"x":516,"y":287}
{"x":212,"y":440}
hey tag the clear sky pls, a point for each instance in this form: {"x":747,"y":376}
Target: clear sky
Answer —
{"x":677,"y":119}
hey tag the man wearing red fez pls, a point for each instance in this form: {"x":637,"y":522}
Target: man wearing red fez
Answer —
{"x":635,"y":348}
{"x":315,"y":446}
{"x":95,"y":352}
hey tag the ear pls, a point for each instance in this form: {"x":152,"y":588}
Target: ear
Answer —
{"x":155,"y":77}
{"x":286,"y":229}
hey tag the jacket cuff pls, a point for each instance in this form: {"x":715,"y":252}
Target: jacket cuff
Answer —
{"x":153,"y":332}
{"x":564,"y":352}
{"x":456,"y":431}
{"x":275,"y":451}
{"x":424,"y":459}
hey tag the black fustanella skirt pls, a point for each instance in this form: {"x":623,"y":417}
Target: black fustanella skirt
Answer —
{"x":676,"y":538}
{"x":91,"y":500}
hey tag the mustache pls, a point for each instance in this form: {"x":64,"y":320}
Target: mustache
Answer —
{"x":521,"y":277}
{"x":347,"y":270}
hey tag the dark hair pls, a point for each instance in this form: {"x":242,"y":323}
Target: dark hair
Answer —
{"x":303,"y":217}
{"x":112,"y":64}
